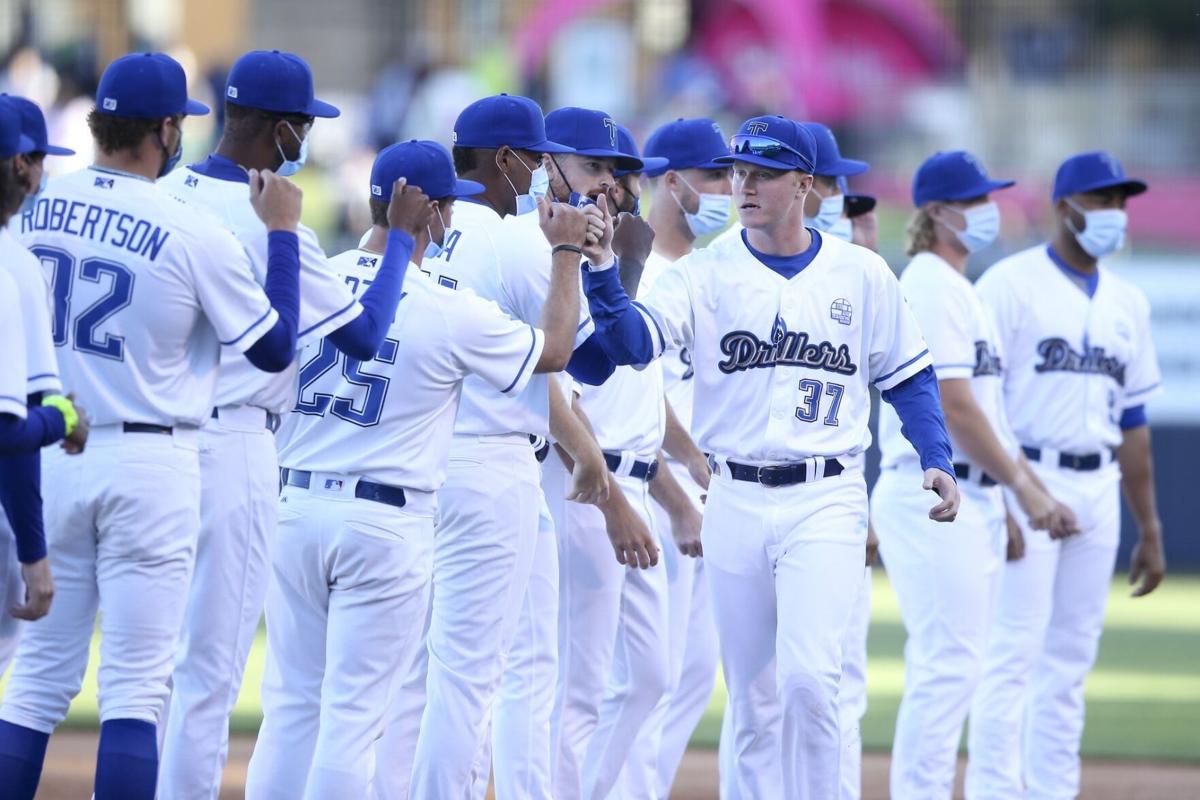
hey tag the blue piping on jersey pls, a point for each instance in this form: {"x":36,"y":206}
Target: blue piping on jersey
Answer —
{"x":1091,"y":280}
{"x":43,"y":375}
{"x":662,"y":341}
{"x":525,"y":363}
{"x":908,"y":363}
{"x":337,"y":313}
{"x":1149,"y":388}
{"x":953,"y":366}
{"x":257,"y":322}
{"x":585,"y":322}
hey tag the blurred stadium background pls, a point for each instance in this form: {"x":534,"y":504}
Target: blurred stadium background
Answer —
{"x":1022,"y":83}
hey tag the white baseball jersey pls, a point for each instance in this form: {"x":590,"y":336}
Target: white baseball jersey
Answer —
{"x":627,"y":412}
{"x":145,"y":291}
{"x":783,"y":366}
{"x":963,"y":343}
{"x":1075,"y":362}
{"x":349,"y":419}
{"x":34,"y":301}
{"x":676,"y":363}
{"x":13,"y":378}
{"x":326,"y":303}
{"x":506,"y":260}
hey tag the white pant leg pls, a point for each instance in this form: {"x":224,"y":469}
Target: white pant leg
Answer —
{"x":483,"y":554}
{"x":239,"y":477}
{"x":12,"y":591}
{"x":639,"y":675}
{"x":1055,"y":715}
{"x":852,"y":693}
{"x":944,"y":576}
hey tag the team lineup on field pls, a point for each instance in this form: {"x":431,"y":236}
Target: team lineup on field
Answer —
{"x":511,"y":480}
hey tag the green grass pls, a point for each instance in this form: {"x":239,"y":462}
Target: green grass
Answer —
{"x":1143,"y":698}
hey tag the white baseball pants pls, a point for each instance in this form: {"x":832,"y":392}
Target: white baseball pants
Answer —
{"x":785,"y":567}
{"x":1027,"y":718}
{"x":12,"y":592}
{"x":946,"y":577}
{"x":239,"y":499}
{"x":348,"y":593}
{"x":121,"y":525}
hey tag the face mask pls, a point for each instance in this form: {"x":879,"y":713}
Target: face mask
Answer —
{"x":172,"y":160}
{"x":829,"y":213}
{"x":288,"y":168}
{"x":842,"y":229}
{"x":983,"y":226}
{"x":539,"y":185}
{"x":433,"y":249}
{"x":31,"y":200}
{"x":712,"y":215}
{"x":1103,"y":230}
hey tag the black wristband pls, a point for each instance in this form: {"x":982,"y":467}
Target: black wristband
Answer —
{"x":570,"y":248}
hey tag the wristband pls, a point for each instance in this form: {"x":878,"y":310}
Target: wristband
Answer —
{"x":66,"y":408}
{"x":570,"y":248}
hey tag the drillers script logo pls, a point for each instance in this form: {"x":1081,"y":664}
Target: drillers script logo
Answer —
{"x":1058,"y":356}
{"x":744,"y":350}
{"x":987,"y":361}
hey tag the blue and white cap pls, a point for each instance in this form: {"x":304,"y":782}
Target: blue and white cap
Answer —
{"x":589,"y":133}
{"x":145,"y":86}
{"x":628,"y":145}
{"x":425,"y":164}
{"x":687,"y":144}
{"x":1092,"y":172}
{"x":275,"y":81}
{"x":773,"y":141}
{"x":952,"y":175}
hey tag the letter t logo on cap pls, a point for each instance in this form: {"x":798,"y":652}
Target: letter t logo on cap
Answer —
{"x":755,"y":128}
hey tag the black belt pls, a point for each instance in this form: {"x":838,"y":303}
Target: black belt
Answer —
{"x":272,"y":419}
{"x":541,"y":447}
{"x":964,"y":472}
{"x":1087,"y":462}
{"x":641,"y":470}
{"x":365,"y":490}
{"x":146,"y":427}
{"x":779,"y":474}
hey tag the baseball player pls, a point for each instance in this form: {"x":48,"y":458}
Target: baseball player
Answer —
{"x":26,"y":586}
{"x":270,"y":110}
{"x":680,"y":187}
{"x":1080,"y":368}
{"x":946,"y":579}
{"x":783,"y":323}
{"x":491,"y":500}
{"x":144,"y":293}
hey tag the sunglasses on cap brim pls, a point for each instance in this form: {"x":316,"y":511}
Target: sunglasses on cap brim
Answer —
{"x":758,"y":145}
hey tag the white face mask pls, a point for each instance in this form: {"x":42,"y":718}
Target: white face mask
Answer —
{"x":539,"y":185}
{"x":1103,"y":230}
{"x":842,"y":229}
{"x":288,"y":168}
{"x":435,"y":249}
{"x":983,"y":226}
{"x":711,"y":216}
{"x":829,"y":213}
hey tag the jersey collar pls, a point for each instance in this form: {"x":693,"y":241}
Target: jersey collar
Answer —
{"x":787,"y":266}
{"x":1086,"y":281}
{"x":121,"y":172}
{"x":221,"y":168}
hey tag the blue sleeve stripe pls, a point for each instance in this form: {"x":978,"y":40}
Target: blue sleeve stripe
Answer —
{"x":257,"y":322}
{"x":1149,"y":388}
{"x":585,"y":322}
{"x":951,"y":366}
{"x":337,"y":313}
{"x":43,"y":375}
{"x":662,"y":342}
{"x":905,"y":365}
{"x":525,"y":363}
{"x":18,"y":400}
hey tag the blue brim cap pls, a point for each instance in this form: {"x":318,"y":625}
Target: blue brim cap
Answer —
{"x":649,"y":164}
{"x":848,"y":167}
{"x":195,"y":108}
{"x":466,"y":188}
{"x":750,"y":158}
{"x":1093,"y":172}
{"x":319,"y":108}
{"x":590,"y":133}
{"x":55,"y":150}
{"x":623,"y":162}
{"x":952,"y":176}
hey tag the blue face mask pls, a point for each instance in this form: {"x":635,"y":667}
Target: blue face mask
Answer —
{"x":288,"y":168}
{"x":173,"y":160}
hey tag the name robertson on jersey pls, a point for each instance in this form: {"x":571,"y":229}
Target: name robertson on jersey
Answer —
{"x":1058,"y":356}
{"x":744,"y":350}
{"x":96,"y":223}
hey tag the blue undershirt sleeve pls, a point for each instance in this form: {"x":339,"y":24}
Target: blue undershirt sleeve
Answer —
{"x":43,"y":425}
{"x":919,"y":406}
{"x":361,"y":337}
{"x":590,"y":363}
{"x":21,"y":496}
{"x":622,"y":330}
{"x":1134,"y":417}
{"x":276,"y":349}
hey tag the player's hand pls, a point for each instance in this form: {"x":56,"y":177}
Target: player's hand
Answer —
{"x":1147,"y":563}
{"x":633,"y":238}
{"x":630,"y":538}
{"x":1065,"y":523}
{"x":276,"y":200}
{"x":872,"y":545}
{"x":1015,"y":549}
{"x":598,"y":247}
{"x":77,"y":441}
{"x":589,"y":479}
{"x":409,"y":210}
{"x":685,"y":528}
{"x":941,"y":484}
{"x":1040,"y":508}
{"x":561,"y":223}
{"x":700,"y":472}
{"x":864,"y":231}
{"x":39,"y":591}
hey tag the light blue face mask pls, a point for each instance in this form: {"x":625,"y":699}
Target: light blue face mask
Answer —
{"x":842,"y":229}
{"x":983,"y":226}
{"x":539,"y":185}
{"x":288,"y":168}
{"x":435,"y":249}
{"x":829,"y":213}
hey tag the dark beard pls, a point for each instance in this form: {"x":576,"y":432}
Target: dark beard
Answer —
{"x":13,"y":190}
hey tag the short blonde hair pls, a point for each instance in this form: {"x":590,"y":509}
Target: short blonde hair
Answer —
{"x":920,"y":234}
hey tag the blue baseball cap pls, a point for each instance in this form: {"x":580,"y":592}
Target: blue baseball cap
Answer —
{"x":33,"y":125}
{"x":1090,"y":172}
{"x":12,"y":140}
{"x":628,"y":145}
{"x":590,"y":133}
{"x":145,"y":85}
{"x":952,"y":175}
{"x":271,"y":80}
{"x":505,"y":120}
{"x":773,"y":141}
{"x":829,"y":159}
{"x":687,"y":144}
{"x":856,"y":204}
{"x":426,"y":165}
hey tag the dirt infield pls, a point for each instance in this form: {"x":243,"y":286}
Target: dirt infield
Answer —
{"x":69,"y":764}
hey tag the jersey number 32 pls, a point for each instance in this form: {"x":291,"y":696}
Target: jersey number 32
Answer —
{"x":82,"y":328}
